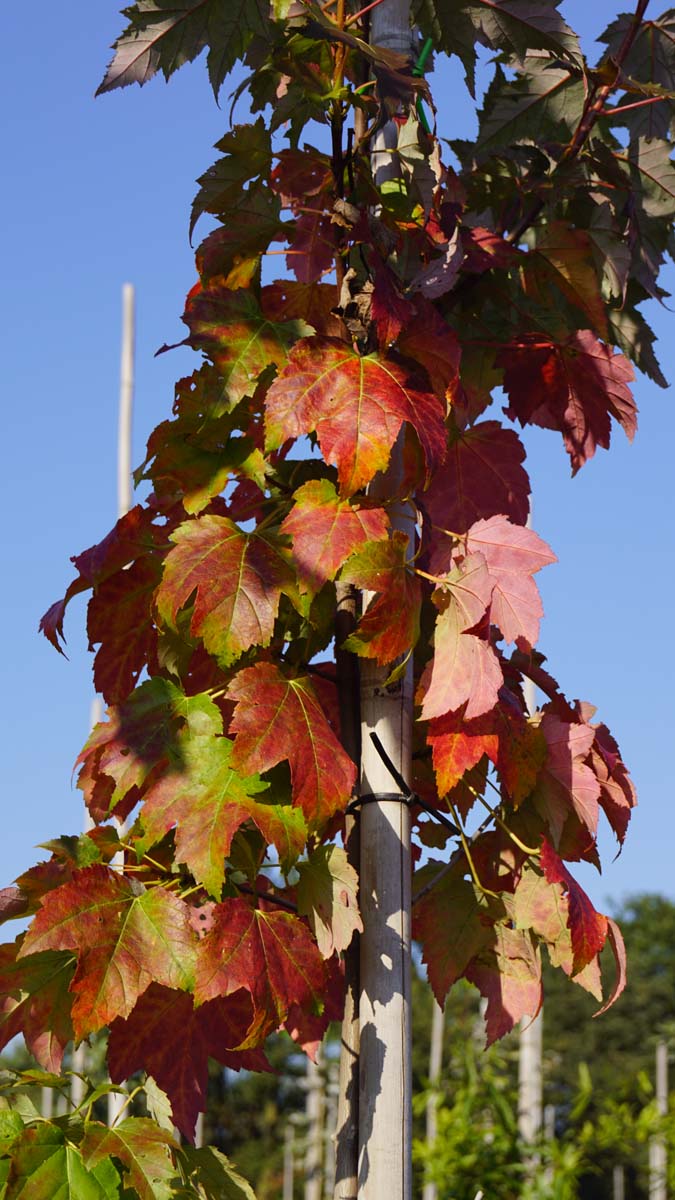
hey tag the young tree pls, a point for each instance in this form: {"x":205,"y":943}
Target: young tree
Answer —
{"x":325,"y":403}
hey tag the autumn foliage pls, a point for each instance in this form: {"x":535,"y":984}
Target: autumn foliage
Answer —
{"x":516,"y":262}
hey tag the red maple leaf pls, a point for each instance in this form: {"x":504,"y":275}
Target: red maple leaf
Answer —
{"x":391,"y":623}
{"x":172,"y":1040}
{"x":124,"y":936}
{"x":457,"y":745}
{"x":448,"y":922}
{"x":279,"y":717}
{"x":36,"y":1002}
{"x":509,"y":978}
{"x":119,"y":620}
{"x":482,"y":475}
{"x":587,"y":927}
{"x":270,"y":954}
{"x":238,"y":578}
{"x":429,"y":341}
{"x":465,"y":669}
{"x":314,"y":246}
{"x":567,"y":782}
{"x":513,"y":555}
{"x":325,"y":530}
{"x":356,"y":405}
{"x":574,"y":387}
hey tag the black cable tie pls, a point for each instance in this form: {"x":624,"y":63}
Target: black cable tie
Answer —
{"x":406,"y":795}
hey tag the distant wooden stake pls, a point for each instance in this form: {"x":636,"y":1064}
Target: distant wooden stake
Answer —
{"x":315,"y":1112}
{"x":658,"y":1161}
{"x":124,"y":491}
{"x":435,"y":1063}
{"x":124,"y":496}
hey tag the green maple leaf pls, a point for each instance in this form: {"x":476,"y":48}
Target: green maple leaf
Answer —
{"x":45,"y":1166}
{"x":163,"y":35}
{"x":143,"y":1149}
{"x":124,"y":936}
{"x":544,"y":103}
{"x":206,"y":800}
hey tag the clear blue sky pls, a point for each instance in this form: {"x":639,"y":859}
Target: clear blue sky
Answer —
{"x":98,"y":192}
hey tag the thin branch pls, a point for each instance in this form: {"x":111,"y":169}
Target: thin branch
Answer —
{"x":249,"y":891}
{"x":362,"y":12}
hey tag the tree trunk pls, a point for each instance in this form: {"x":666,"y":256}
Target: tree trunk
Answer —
{"x":657,"y":1147}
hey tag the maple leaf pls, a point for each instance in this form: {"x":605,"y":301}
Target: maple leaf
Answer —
{"x":119,"y":620}
{"x":36,"y":1002}
{"x":567,"y":782}
{"x":124,"y":936}
{"x":129,"y":538}
{"x":563,"y":261}
{"x":206,"y":800}
{"x":545,"y":102}
{"x":587,"y":927}
{"x":240,"y":340}
{"x":458,"y":745}
{"x":162,"y":35}
{"x":390,"y":625}
{"x":615,"y":938}
{"x":270,"y":954}
{"x":650,"y":60}
{"x":171,"y":1040}
{"x":143,"y":1149}
{"x":513,"y":555}
{"x":314,"y":246}
{"x":481,"y":476}
{"x":449,"y":923}
{"x":238,"y":578}
{"x":247,"y":154}
{"x":390,"y":311}
{"x":617,"y":793}
{"x":355,"y":404}
{"x":301,"y":173}
{"x":45,"y":1164}
{"x":543,"y":907}
{"x":279,"y":717}
{"x":215,"y":1175}
{"x":122,"y":753}
{"x":325,"y":531}
{"x":326,"y":892}
{"x":286,"y":299}
{"x":429,"y":341}
{"x":465,"y":668}
{"x":509,"y":978}
{"x":574,"y":387}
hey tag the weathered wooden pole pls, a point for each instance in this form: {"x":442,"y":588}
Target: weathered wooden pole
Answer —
{"x":658,"y":1183}
{"x":430,"y":1191}
{"x":385,"y":1093}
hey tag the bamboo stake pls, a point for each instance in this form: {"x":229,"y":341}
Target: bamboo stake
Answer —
{"x":385,"y":1100}
{"x":315,"y":1111}
{"x":115,"y":1100}
{"x":658,"y":1162}
{"x":435,"y":1062}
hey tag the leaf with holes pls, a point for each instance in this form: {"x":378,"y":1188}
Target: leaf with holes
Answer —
{"x":356,"y":405}
{"x":238,"y":579}
{"x":279,"y":717}
{"x":124,"y":936}
{"x":327,"y":897}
